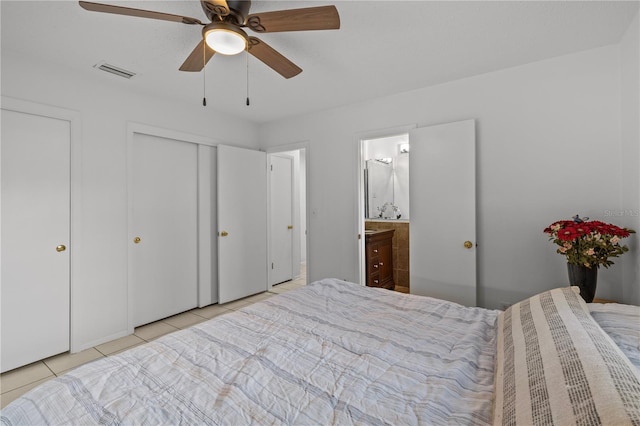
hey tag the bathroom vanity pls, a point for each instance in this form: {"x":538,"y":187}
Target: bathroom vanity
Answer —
{"x":379,"y":255}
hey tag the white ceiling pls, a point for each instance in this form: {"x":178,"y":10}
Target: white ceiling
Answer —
{"x":382,"y":47}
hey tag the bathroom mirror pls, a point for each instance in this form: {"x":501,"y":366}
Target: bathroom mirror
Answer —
{"x":386,"y":177}
{"x":379,"y":185}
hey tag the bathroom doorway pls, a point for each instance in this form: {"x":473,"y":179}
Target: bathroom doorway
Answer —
{"x":442,"y":232}
{"x":385,"y":211}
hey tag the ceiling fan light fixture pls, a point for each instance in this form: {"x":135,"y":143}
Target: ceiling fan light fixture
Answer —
{"x":225,"y":38}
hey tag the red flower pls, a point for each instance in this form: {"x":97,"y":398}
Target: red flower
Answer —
{"x":608,"y":229}
{"x":568,"y":234}
{"x":588,"y":243}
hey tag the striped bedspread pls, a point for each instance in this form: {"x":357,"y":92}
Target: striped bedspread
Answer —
{"x":331,"y":353}
{"x":556,"y":366}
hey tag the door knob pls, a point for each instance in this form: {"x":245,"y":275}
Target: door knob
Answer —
{"x":224,"y":233}
{"x":468,"y":244}
{"x":290,"y":227}
{"x":60,"y":248}
{"x":137,"y":240}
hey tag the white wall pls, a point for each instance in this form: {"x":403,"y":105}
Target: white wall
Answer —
{"x":401,"y":184}
{"x":303,"y":205}
{"x":630,"y":138}
{"x":555,"y":138}
{"x":548,"y":147}
{"x":106,"y":104}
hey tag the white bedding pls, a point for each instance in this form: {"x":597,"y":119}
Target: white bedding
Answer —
{"x":330,"y":353}
{"x":622,"y":324}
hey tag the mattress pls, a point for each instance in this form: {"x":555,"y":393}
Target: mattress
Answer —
{"x":331,"y":353}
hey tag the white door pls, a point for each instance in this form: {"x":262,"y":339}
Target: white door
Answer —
{"x":242,"y":223}
{"x":281,"y":216}
{"x":163,"y":229}
{"x":443,"y":217}
{"x":36,"y":160}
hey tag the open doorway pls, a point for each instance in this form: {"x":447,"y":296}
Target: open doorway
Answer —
{"x":287,"y":219}
{"x":385,"y":211}
{"x":442,"y":253}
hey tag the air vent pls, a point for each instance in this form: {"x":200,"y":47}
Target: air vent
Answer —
{"x":114,"y":70}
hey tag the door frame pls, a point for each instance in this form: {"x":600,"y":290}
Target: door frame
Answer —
{"x":296,"y":146}
{"x":75,"y":189}
{"x":360,"y":139}
{"x":140,"y":128}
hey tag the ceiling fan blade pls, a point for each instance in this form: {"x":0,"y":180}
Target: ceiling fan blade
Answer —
{"x":310,"y":18}
{"x":198,"y":59}
{"x":272,"y":58}
{"x":215,"y":7}
{"x":140,"y":13}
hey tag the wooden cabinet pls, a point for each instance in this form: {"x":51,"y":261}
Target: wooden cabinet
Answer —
{"x":379,"y":249}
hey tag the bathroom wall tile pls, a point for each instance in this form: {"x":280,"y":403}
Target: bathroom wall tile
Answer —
{"x":402,"y":263}
{"x":403,"y":279}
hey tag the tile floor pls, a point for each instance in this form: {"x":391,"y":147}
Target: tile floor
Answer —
{"x":16,"y":382}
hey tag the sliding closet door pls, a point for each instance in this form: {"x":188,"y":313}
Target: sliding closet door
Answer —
{"x":36,"y":155}
{"x":163,"y":255}
{"x":443,"y":212}
{"x":242,"y":222}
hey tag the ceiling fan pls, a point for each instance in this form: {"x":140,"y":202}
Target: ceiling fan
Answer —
{"x":224,"y":33}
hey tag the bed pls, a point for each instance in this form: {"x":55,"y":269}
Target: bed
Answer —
{"x":338,"y":353}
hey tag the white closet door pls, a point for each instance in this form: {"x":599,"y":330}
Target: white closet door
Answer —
{"x":281,"y":217}
{"x":443,"y":212}
{"x":35,"y":295}
{"x":242,"y":223}
{"x":163,"y":255}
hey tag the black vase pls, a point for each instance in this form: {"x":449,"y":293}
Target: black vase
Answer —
{"x":585,"y":278}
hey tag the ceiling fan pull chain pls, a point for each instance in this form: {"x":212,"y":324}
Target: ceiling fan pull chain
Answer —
{"x":247,"y":76}
{"x":204,"y":74}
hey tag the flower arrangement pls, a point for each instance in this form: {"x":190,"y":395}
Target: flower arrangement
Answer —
{"x":588,"y":243}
